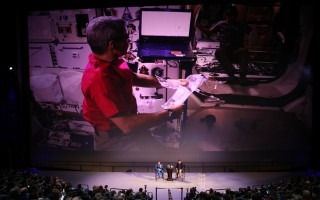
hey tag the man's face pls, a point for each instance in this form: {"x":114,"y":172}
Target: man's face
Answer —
{"x":125,"y":42}
{"x":121,"y":45}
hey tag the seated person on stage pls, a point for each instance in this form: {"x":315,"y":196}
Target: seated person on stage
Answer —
{"x":159,"y":169}
{"x":179,"y":168}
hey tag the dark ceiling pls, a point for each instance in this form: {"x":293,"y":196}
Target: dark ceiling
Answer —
{"x":76,"y":4}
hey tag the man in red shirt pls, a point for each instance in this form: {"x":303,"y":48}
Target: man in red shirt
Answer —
{"x":109,"y":104}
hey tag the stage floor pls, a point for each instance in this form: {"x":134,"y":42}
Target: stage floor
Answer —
{"x":159,"y":188}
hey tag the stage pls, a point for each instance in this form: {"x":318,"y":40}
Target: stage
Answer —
{"x":159,"y":188}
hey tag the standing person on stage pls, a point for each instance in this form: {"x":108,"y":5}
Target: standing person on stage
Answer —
{"x":109,"y":104}
{"x":179,"y":168}
{"x":159,"y":169}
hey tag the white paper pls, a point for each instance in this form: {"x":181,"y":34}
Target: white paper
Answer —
{"x":183,"y":92}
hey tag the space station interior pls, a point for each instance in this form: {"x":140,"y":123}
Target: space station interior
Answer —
{"x":58,"y":54}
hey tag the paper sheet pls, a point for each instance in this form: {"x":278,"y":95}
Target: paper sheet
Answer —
{"x":183,"y":92}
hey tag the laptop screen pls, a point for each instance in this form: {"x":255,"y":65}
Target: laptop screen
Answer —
{"x":160,"y":23}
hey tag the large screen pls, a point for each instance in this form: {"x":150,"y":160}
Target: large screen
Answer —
{"x":230,"y":124}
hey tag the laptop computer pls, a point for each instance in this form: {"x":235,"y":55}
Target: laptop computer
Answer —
{"x":165,"y":34}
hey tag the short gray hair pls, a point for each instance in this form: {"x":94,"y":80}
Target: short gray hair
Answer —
{"x":101,"y":30}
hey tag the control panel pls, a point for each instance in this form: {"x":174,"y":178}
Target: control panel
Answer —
{"x":70,"y":25}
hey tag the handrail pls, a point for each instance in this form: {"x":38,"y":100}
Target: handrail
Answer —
{"x":149,"y":166}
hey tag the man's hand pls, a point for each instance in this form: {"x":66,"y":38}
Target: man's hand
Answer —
{"x":175,"y":83}
{"x":177,"y":110}
{"x":182,"y":82}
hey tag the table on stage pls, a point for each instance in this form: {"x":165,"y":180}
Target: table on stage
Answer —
{"x":169,"y":172}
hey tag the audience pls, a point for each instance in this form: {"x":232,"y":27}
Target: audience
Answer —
{"x":28,"y":184}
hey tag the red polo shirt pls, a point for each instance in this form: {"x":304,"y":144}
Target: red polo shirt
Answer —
{"x":107,"y":90}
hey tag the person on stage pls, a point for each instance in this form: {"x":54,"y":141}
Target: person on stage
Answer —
{"x":159,"y":169}
{"x":179,"y":168}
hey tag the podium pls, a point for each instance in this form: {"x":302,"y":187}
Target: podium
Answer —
{"x":169,"y":172}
